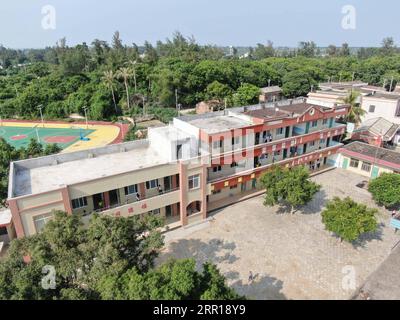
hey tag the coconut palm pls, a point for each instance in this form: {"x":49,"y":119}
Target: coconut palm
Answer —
{"x":355,"y":111}
{"x":133,"y":63}
{"x":108,"y":79}
{"x":125,"y":73}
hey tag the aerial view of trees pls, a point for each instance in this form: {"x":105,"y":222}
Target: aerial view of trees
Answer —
{"x":349,"y":219}
{"x":288,"y":187}
{"x":385,"y":190}
{"x":113,"y":78}
{"x":111,"y":258}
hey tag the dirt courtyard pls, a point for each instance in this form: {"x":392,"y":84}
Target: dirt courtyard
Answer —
{"x":291,"y":256}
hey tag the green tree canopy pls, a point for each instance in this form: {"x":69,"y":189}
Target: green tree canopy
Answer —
{"x":348,"y":219}
{"x":385,"y":190}
{"x":298,"y":83}
{"x":173,"y":280}
{"x":218,"y":91}
{"x":288,"y":186}
{"x":111,"y":258}
{"x":246,"y":94}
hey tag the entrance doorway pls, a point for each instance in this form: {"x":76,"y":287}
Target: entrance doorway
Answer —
{"x":114,"y":197}
{"x":167,"y":183}
{"x":98,"y":201}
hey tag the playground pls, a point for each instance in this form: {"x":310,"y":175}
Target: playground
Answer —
{"x":68,"y":136}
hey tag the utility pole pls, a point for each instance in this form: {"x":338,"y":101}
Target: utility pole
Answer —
{"x":269,"y":82}
{"x":176,"y":102}
{"x":85,"y":110}
{"x":40,"y":107}
{"x":379,"y":143}
{"x":37,"y":134}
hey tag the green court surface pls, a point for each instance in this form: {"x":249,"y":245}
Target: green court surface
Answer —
{"x":63,"y":137}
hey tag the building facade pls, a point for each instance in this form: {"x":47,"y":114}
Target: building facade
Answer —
{"x":384,"y":105}
{"x":368,"y":160}
{"x":182,"y":171}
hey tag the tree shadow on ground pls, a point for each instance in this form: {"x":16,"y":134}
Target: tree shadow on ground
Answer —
{"x":315,"y":206}
{"x":262,"y":287}
{"x":368,"y":237}
{"x":215,"y":251}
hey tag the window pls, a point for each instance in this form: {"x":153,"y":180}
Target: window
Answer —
{"x":216,"y":191}
{"x":79,"y":203}
{"x":371,"y":109}
{"x":217,"y":168}
{"x":234,"y":164}
{"x":194,"y":182}
{"x":312,"y":144}
{"x":179,"y":151}
{"x":279,"y":131}
{"x":233,"y":187}
{"x":40,"y":221}
{"x":321,"y":141}
{"x":277,"y":153}
{"x":354,"y":163}
{"x":314,"y":123}
{"x":217,"y":144}
{"x":152,"y":184}
{"x":132,"y":189}
{"x":366,"y":166}
{"x":325,"y":121}
{"x":154,"y":212}
{"x":235,"y":140}
{"x":264,"y":156}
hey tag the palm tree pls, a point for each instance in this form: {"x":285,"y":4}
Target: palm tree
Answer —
{"x":108,"y":78}
{"x":133,"y":63}
{"x":125,"y":73}
{"x":355,"y":111}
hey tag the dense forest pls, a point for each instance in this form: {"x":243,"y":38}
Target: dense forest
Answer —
{"x":114,"y":79}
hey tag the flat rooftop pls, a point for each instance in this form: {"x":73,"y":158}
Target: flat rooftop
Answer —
{"x":385,"y":95}
{"x":271,"y":89}
{"x":31,"y":177}
{"x":219,"y":123}
{"x":242,"y":117}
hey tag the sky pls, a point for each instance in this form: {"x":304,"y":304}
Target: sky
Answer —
{"x":217,"y":22}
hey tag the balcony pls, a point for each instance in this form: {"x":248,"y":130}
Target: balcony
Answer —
{"x":332,"y":146}
{"x":144,"y":205}
{"x":336,"y":126}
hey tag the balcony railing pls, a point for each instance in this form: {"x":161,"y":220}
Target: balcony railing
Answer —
{"x":332,"y":145}
{"x":222,"y":154}
{"x":130,"y":201}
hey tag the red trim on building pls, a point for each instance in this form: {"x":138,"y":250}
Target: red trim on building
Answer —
{"x":304,"y":159}
{"x":391,"y":165}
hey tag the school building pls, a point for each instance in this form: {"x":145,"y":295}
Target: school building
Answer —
{"x":368,"y":160}
{"x":182,"y":171}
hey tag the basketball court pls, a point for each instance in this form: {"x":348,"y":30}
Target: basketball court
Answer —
{"x":68,"y":136}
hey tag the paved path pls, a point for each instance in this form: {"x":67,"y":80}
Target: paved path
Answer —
{"x":292,"y":256}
